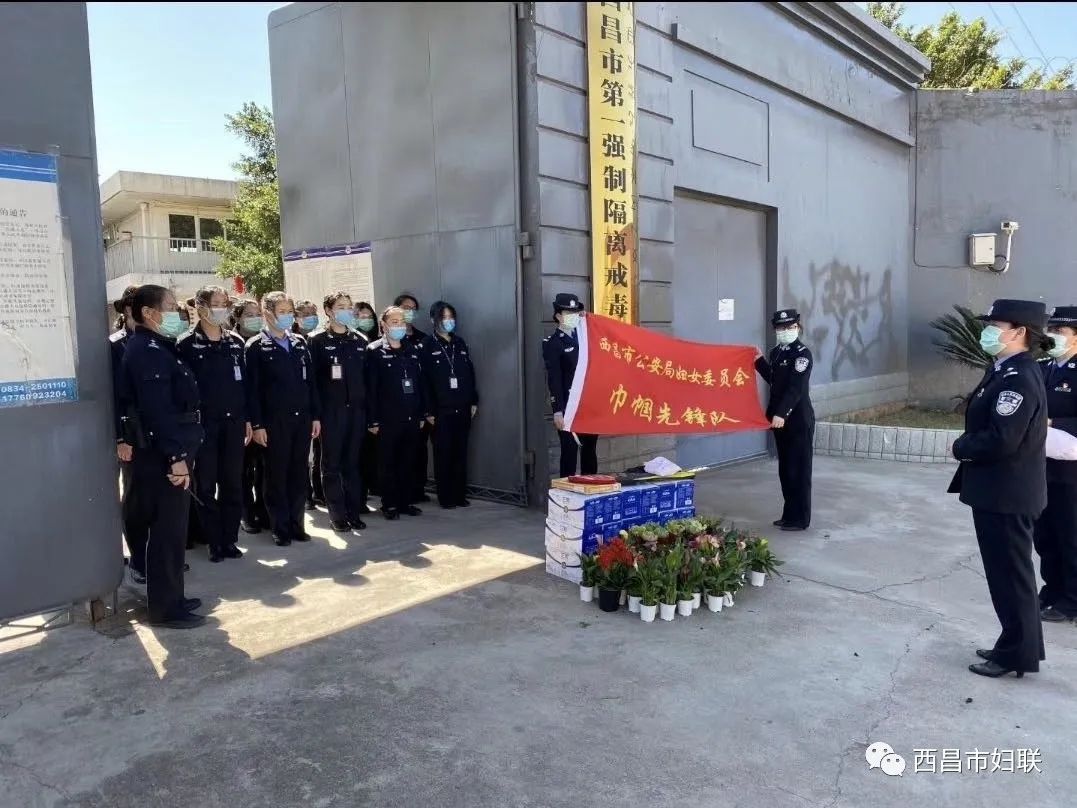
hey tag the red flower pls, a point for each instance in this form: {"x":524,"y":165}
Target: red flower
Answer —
{"x":615,"y":553}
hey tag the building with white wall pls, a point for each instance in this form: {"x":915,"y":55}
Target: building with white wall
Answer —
{"x":159,"y":229}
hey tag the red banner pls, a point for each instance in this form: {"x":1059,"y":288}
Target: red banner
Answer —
{"x":631,"y":381}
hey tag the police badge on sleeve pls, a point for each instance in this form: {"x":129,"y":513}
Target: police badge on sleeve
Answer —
{"x":1008,"y":402}
{"x":801,"y":364}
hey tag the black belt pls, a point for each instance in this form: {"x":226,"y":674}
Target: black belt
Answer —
{"x":189,"y":417}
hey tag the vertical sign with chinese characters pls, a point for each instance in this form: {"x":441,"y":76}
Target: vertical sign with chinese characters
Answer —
{"x":611,"y":90}
{"x":37,"y":357}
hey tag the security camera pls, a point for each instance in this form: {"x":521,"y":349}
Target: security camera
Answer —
{"x":1010,"y":227}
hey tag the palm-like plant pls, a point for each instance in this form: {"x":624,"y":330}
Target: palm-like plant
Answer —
{"x":961,"y":342}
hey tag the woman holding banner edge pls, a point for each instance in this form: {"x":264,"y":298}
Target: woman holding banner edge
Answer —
{"x":560,"y":353}
{"x":792,"y":418}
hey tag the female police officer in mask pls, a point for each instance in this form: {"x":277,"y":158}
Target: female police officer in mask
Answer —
{"x":560,"y":354}
{"x":788,"y":372}
{"x":162,"y":398}
{"x":1002,"y":478}
{"x":1056,"y":530}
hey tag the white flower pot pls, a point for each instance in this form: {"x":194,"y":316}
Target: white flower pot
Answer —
{"x":715,"y":603}
{"x":684,"y":608}
{"x":727,"y":599}
{"x":624,"y":597}
{"x":646,"y":613}
{"x":667,"y":610}
{"x":634,"y":604}
{"x":587,"y":593}
{"x":758,"y":578}
{"x":697,"y":600}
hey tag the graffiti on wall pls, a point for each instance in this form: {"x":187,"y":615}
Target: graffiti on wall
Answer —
{"x":848,"y":314}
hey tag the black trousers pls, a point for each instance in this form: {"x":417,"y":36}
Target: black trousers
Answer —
{"x":1006,"y":549}
{"x":254,"y":503}
{"x":1055,"y":537}
{"x":451,"y":432}
{"x":422,"y":465}
{"x":287,"y":455}
{"x":343,"y":431}
{"x":368,"y":466}
{"x":315,"y":489}
{"x":163,"y":508}
{"x":795,"y":451}
{"x":218,"y":479}
{"x":396,"y":463}
{"x":135,"y":531}
{"x":587,"y":453}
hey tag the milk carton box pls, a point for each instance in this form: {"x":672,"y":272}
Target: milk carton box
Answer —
{"x":685,"y":494}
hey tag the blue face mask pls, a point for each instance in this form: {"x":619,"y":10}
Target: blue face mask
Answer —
{"x":172,"y":324}
{"x":252,"y":325}
{"x":448,"y":326}
{"x":308,"y":323}
{"x":345,"y":317}
{"x":365,"y":323}
{"x":284,"y":322}
{"x":409,"y":316}
{"x":397,"y":332}
{"x":990,"y":342}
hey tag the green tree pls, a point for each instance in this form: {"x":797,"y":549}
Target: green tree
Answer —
{"x":252,"y":249}
{"x":964,"y":55}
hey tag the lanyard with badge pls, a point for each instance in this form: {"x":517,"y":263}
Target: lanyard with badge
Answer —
{"x":407,"y":382}
{"x":454,"y":383}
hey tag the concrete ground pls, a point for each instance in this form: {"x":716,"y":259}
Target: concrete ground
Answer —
{"x":434,"y":663}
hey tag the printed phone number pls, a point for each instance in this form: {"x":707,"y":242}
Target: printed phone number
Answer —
{"x":34,"y":387}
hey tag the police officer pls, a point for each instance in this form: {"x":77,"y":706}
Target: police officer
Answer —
{"x":454,"y":401}
{"x":215,"y":355}
{"x":339,"y":356}
{"x":397,"y":408}
{"x":366,"y":321}
{"x":414,"y":337}
{"x":247,"y":315}
{"x":560,"y":353}
{"x":788,"y":372}
{"x":134,"y":530}
{"x":306,"y":321}
{"x":162,"y":398}
{"x":366,"y":326}
{"x":1002,"y":477}
{"x":282,"y":405}
{"x":1055,"y":534}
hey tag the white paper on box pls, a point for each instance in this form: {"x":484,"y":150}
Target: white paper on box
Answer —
{"x":1061,"y":445}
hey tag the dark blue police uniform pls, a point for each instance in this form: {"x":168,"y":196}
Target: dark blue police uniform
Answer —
{"x":283,"y":400}
{"x":788,"y":372}
{"x":560,"y":354}
{"x":134,"y":530}
{"x":397,"y":405}
{"x":340,"y":374}
{"x":452,"y":392}
{"x":1055,"y":535}
{"x":162,"y":397}
{"x":414,"y":339}
{"x":1002,"y":477}
{"x":218,"y":366}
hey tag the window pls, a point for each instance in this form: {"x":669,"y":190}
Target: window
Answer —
{"x":181,"y":235}
{"x":210,"y":229}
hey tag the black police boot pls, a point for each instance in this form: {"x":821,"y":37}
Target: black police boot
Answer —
{"x":281,"y":541}
{"x":231,"y":551}
{"x":391,"y":514}
{"x":411,"y":510}
{"x":779,"y":523}
{"x":984,"y":653}
{"x":1053,"y":615}
{"x":358,"y":524}
{"x":304,"y":536}
{"x":216,"y":555}
{"x":250,"y":527}
{"x":181,"y":621}
{"x":192,"y":604}
{"x":340,"y":526}
{"x":993,"y":670}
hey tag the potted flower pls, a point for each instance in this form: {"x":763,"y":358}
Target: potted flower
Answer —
{"x":615,"y":561}
{"x":734,"y":562}
{"x":649,"y":574}
{"x":634,"y":588}
{"x":590,"y":570}
{"x":714,"y":578}
{"x":685,"y":586}
{"x":671,"y":566}
{"x":761,"y":560}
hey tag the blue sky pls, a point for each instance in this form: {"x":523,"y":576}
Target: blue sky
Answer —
{"x":166,"y":74}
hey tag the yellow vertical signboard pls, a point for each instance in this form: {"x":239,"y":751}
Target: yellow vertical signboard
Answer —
{"x":611,"y":91}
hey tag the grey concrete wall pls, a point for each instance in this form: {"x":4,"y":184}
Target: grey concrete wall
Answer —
{"x":802,"y":110}
{"x":982,"y":158}
{"x":397,"y":124}
{"x":61,"y":539}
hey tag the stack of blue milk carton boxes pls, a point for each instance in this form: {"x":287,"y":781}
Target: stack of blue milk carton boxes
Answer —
{"x":579,"y":523}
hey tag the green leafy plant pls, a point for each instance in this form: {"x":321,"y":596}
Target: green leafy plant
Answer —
{"x":960,"y":341}
{"x":671,"y":561}
{"x":589,"y":568}
{"x":761,"y":558}
{"x":634,"y":584}
{"x":650,"y":576}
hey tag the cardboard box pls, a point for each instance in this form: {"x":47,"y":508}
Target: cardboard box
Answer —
{"x":564,"y":551}
{"x":584,"y":510}
{"x":686,"y":494}
{"x":630,"y":504}
{"x":648,"y":502}
{"x":610,"y":532}
{"x":588,"y":539}
{"x":667,"y":497}
{"x":683,"y":513}
{"x":559,"y":570}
